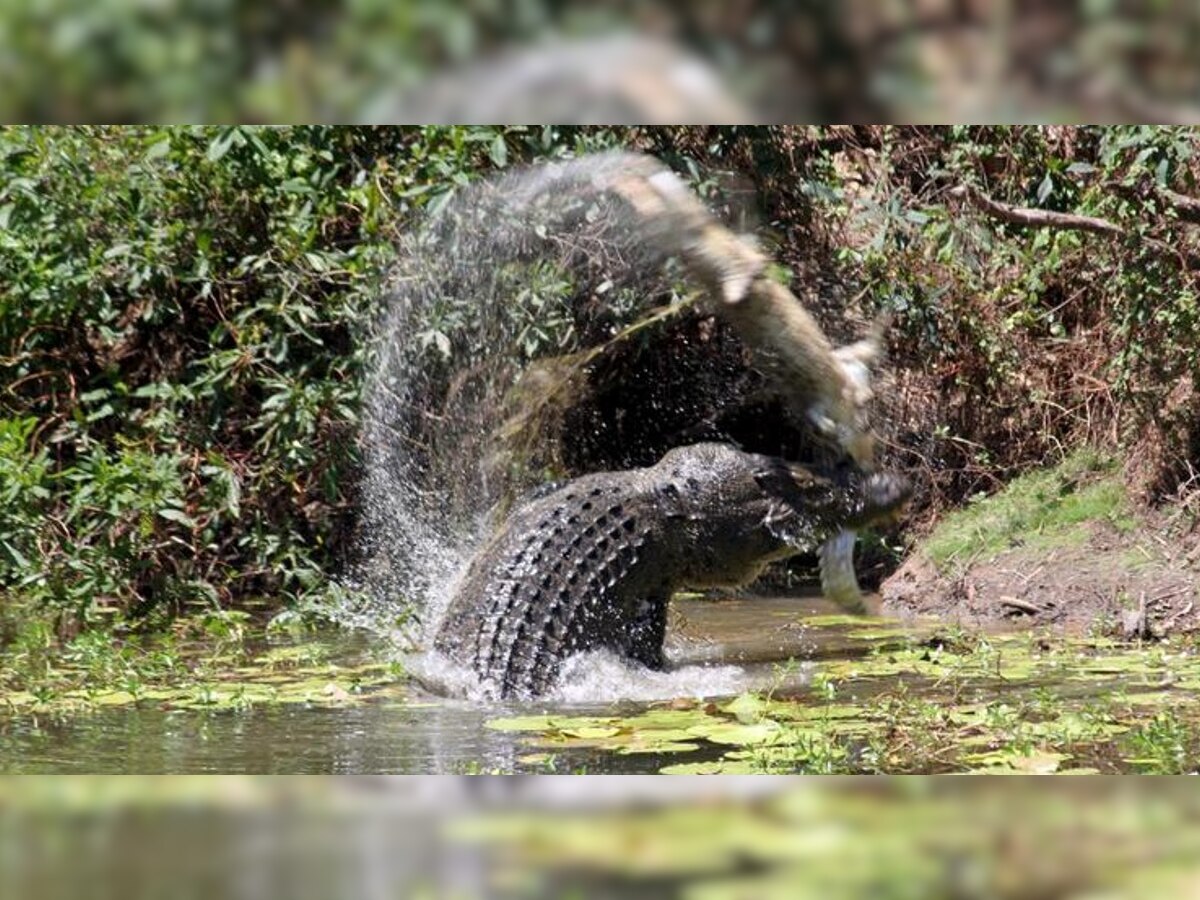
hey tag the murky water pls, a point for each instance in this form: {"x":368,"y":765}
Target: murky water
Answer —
{"x":717,"y":649}
{"x":870,"y":695}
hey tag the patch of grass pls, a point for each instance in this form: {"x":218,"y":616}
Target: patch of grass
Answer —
{"x":1042,"y":509}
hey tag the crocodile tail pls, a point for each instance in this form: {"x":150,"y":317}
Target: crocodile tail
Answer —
{"x":838,"y":581}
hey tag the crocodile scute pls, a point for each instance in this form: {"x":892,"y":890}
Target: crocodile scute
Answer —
{"x":594,"y":563}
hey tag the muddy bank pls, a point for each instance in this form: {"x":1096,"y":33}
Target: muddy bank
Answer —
{"x":1130,"y":582}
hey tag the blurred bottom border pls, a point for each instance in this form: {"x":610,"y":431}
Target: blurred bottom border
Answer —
{"x":368,"y":837}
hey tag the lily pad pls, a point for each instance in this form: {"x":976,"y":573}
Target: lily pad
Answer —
{"x":719,"y":767}
{"x":740,"y":735}
{"x":656,"y":748}
{"x":746,"y":708}
{"x":521,"y":723}
{"x":591,"y":732}
{"x":1035,"y":762}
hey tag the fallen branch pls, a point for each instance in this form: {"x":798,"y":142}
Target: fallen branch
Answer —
{"x":1036,"y":218}
{"x":1187,"y":208}
{"x":1021,"y":605}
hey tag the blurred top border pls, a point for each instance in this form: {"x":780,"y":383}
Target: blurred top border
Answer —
{"x":602,"y":62}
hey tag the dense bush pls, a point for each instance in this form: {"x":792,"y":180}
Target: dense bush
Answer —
{"x":1036,"y":337}
{"x":179,"y":351}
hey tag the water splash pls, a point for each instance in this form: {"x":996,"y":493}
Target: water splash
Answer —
{"x":600,"y":677}
{"x":603,"y":676}
{"x":490,"y":298}
{"x":498,"y":308}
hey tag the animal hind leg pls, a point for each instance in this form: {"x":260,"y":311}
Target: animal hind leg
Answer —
{"x":649,"y":627}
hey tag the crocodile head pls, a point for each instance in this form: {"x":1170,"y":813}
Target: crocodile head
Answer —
{"x":734,"y":512}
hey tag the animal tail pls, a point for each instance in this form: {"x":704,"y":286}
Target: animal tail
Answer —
{"x":838,"y":581}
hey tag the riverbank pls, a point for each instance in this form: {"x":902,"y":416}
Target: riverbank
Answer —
{"x":1065,"y":547}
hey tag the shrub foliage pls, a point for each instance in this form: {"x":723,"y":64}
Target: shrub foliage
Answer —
{"x":179,"y":351}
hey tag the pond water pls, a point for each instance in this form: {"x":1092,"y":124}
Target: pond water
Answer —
{"x":417,"y":732}
{"x":756,"y":684}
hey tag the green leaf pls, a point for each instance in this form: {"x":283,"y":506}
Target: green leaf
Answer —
{"x":738,"y":734}
{"x":721,"y":767}
{"x":521,"y":723}
{"x":297,"y":186}
{"x":499,"y":151}
{"x":159,"y":147}
{"x":591,"y":732}
{"x":171,"y":514}
{"x":748,"y":708}
{"x":16,"y":555}
{"x":1045,"y":189}
{"x":222,"y":144}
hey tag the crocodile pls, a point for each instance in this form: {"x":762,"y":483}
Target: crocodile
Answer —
{"x":593,"y":563}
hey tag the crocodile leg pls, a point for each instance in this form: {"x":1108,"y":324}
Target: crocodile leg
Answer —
{"x":647,"y":633}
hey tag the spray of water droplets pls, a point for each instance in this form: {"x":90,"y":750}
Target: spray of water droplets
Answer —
{"x":511,"y":273}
